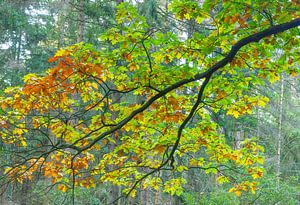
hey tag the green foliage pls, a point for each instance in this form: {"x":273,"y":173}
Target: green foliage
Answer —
{"x":268,"y":193}
{"x":144,"y":101}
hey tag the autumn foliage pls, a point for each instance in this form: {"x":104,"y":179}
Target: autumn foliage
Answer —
{"x":144,"y":101}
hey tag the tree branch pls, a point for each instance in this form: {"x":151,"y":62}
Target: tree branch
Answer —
{"x":227,"y":59}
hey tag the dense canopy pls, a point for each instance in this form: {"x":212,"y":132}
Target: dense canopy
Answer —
{"x":141,"y":109}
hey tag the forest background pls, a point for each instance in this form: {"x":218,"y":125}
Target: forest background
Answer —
{"x":31,"y":33}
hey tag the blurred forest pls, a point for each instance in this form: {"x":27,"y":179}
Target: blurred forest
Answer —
{"x":31,"y":31}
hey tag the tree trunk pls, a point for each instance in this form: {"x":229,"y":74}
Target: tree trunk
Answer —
{"x":116,"y":190}
{"x":61,"y":23}
{"x":237,"y":140}
{"x":279,"y":137}
{"x":81,"y":27}
{"x":19,"y":46}
{"x":24,"y":192}
{"x":158,"y":197}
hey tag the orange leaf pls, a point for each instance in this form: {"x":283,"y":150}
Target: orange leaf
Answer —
{"x":63,"y":188}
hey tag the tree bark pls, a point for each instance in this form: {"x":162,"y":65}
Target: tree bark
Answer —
{"x":61,"y":23}
{"x":81,"y":26}
{"x":279,"y":137}
{"x":24,"y":192}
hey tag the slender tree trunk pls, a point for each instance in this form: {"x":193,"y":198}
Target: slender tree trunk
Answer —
{"x":2,"y":195}
{"x":61,"y":23}
{"x":258,"y":124}
{"x":19,"y":46}
{"x":81,"y":27}
{"x":237,"y":140}
{"x":147,"y":195}
{"x":14,"y":45}
{"x":19,"y":33}
{"x":116,"y":190}
{"x":24,"y":192}
{"x":279,"y":137}
{"x":158,"y":197}
{"x":145,"y":199}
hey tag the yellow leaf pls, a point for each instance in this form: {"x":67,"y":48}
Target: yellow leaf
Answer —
{"x":199,"y":19}
{"x":178,"y":55}
{"x":255,"y":176}
{"x":104,"y":78}
{"x":60,"y":53}
{"x":200,"y":161}
{"x":23,"y":142}
{"x":63,"y":188}
{"x":294,"y":73}
{"x":274,"y":77}
{"x":29,"y":77}
{"x":193,"y":162}
{"x":261,"y":148}
{"x":238,"y":193}
{"x":97,"y":147}
{"x":160,"y":149}
{"x":132,"y":66}
{"x":182,"y":168}
{"x":253,"y":187}
{"x":94,"y":85}
{"x":263,"y":101}
{"x":133,"y":193}
{"x":187,"y":16}
{"x":249,"y":111}
{"x":249,"y":161}
{"x":234,"y":113}
{"x":222,"y":179}
{"x":260,"y":160}
{"x":8,"y":169}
